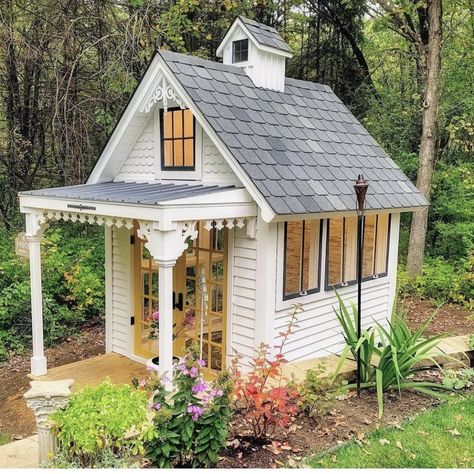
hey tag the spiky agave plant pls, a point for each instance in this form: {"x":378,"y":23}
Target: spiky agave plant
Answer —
{"x":398,"y":357}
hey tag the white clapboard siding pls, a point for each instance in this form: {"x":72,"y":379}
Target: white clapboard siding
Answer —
{"x":120,"y":294}
{"x":140,"y":162}
{"x":244,"y":294}
{"x":214,"y":166}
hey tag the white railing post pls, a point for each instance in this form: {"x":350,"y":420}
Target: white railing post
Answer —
{"x":38,"y":361}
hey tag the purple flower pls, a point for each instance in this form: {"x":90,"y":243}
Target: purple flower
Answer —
{"x":216,"y":393}
{"x":182,"y":367}
{"x":157,"y":406}
{"x":201,"y":362}
{"x":195,"y":411}
{"x":155,"y":316}
{"x":194,"y":372}
{"x":165,"y":379}
{"x":199,"y":387}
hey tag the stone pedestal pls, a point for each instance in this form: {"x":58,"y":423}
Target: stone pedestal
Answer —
{"x":45,"y":398}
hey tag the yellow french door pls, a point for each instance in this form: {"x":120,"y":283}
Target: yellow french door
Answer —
{"x":197,"y":320}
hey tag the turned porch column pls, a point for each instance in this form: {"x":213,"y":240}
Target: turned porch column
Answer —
{"x":34,"y":235}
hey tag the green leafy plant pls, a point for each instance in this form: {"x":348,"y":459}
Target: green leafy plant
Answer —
{"x":190,"y":425}
{"x":459,"y":379}
{"x":471,"y":342}
{"x":99,"y":418}
{"x":105,"y":458}
{"x":263,"y":396}
{"x":398,"y":357}
{"x":319,"y":391}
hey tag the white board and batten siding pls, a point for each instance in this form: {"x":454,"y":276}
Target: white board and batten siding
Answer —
{"x":243,"y":287}
{"x":119,"y":297}
{"x":319,"y":332}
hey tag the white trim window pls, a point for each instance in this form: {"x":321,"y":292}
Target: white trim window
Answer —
{"x":302,"y":257}
{"x":341,"y":249}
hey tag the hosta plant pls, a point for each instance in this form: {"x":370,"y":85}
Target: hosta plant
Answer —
{"x":263,"y":395}
{"x":190,"y":425}
{"x":390,"y":364}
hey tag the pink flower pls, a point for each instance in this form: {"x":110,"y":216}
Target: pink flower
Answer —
{"x":183,"y":369}
{"x":156,"y":406}
{"x":201,"y":362}
{"x":155,"y":315}
{"x":165,"y":379}
{"x":216,"y":393}
{"x":142,"y":383}
{"x":195,"y":411}
{"x":194,"y":372}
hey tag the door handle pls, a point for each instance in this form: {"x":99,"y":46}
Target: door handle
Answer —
{"x":180,"y":304}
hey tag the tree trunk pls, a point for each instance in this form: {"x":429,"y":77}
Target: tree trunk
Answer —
{"x":431,"y":66}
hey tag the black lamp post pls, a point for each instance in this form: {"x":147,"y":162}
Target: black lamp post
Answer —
{"x":360,"y":188}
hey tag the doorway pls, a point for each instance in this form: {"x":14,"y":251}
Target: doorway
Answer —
{"x":201,"y":270}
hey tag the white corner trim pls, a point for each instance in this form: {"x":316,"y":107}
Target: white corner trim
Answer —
{"x":108,"y":289}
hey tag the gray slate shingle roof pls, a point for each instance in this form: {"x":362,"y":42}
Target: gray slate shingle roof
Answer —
{"x":130,"y":193}
{"x":265,"y":35}
{"x":302,"y":148}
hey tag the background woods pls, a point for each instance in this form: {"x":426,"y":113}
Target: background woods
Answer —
{"x":405,"y":68}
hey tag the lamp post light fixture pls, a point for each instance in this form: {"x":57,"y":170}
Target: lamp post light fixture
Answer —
{"x":361,"y":186}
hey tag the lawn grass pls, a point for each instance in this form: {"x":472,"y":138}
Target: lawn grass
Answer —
{"x":5,"y":438}
{"x":439,"y":438}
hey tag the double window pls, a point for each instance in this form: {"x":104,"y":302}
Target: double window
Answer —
{"x":341,"y":261}
{"x":177,"y":140}
{"x":302,"y":253}
{"x":240,"y":51}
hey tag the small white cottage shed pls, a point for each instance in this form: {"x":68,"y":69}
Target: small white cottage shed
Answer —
{"x":231,"y":180}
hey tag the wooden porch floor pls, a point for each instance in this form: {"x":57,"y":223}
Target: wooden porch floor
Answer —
{"x":93,"y":371}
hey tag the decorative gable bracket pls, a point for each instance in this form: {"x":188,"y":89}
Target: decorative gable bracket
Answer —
{"x":163,"y":92}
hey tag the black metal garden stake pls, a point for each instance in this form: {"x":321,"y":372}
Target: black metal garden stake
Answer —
{"x":360,"y":188}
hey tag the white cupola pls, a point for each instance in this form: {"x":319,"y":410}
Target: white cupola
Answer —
{"x":259,"y":50}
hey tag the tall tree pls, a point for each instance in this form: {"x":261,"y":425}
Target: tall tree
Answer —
{"x":420,"y":23}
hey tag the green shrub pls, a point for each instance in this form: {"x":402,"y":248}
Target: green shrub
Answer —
{"x":73,"y":285}
{"x":190,"y":426}
{"x":105,"y":458}
{"x":99,"y":418}
{"x":319,"y":391}
{"x":441,"y":281}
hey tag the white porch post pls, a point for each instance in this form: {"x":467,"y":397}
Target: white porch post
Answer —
{"x":33,"y":235}
{"x":165,"y":295}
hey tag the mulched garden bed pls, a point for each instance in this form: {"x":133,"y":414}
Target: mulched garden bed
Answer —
{"x":350,"y":419}
{"x":452,"y":320}
{"x":16,"y":418}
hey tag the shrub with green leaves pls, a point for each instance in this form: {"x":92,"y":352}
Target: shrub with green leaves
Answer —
{"x":99,"y":418}
{"x":390,"y":364}
{"x":441,"y":282}
{"x":73,"y":285}
{"x":319,"y":391}
{"x":190,"y":425}
{"x":105,"y":458}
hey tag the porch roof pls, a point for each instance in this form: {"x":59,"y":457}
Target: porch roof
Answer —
{"x":130,"y":192}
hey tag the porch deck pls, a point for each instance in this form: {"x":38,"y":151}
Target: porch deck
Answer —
{"x":119,"y":369}
{"x":453,"y":352}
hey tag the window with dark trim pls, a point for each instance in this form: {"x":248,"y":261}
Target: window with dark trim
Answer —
{"x":341,"y":254}
{"x":240,"y":51}
{"x":177,"y":140}
{"x":302,"y":255}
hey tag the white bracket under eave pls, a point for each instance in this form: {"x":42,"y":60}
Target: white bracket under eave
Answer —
{"x":162,"y":92}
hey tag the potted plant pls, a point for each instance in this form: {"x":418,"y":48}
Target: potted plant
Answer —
{"x":186,"y":324}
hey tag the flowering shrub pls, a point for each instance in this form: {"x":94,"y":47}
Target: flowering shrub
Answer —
{"x":263,"y":395}
{"x":190,"y":426}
